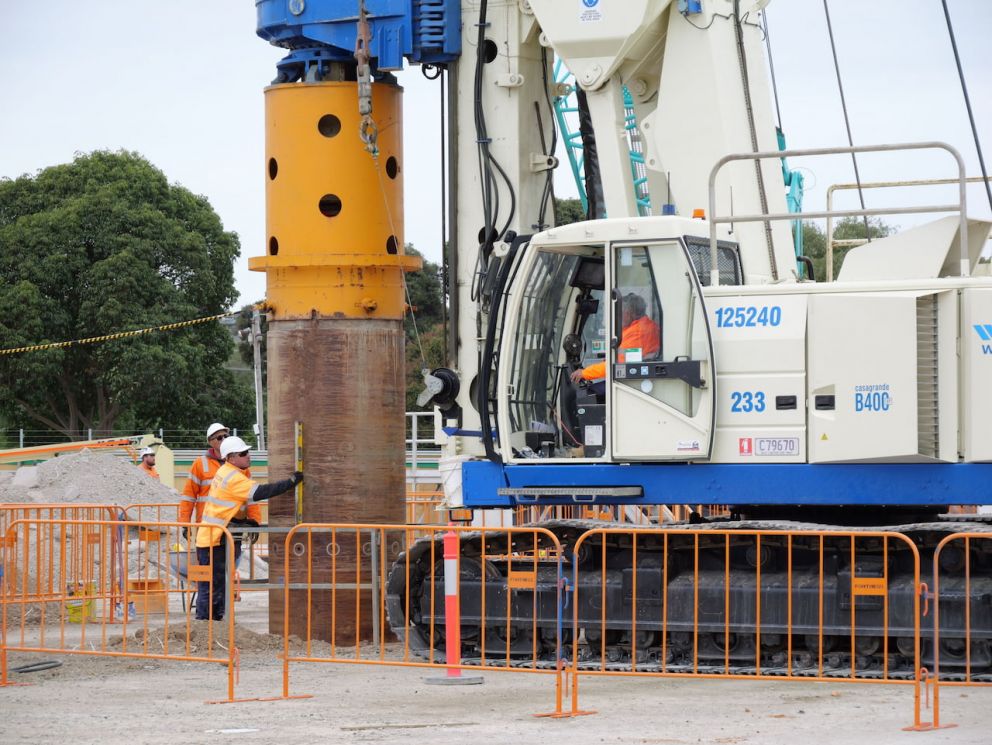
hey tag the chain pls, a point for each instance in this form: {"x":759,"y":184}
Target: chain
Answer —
{"x":120,"y":335}
{"x":367,"y":129}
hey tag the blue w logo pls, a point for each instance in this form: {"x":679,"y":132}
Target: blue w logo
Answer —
{"x":984,"y":331}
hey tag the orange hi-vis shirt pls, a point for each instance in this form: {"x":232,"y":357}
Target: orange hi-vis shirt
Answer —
{"x":197,"y":487}
{"x":149,"y":471}
{"x":642,"y":333}
{"x":230,"y":492}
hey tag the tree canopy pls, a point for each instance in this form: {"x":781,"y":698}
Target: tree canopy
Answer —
{"x":101,"y":245}
{"x":848,"y":228}
{"x":427,"y":298}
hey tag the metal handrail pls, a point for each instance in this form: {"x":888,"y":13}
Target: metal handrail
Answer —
{"x":715,"y":219}
{"x":873,"y":185}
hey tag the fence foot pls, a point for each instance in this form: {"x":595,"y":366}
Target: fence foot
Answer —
{"x":455,"y":680}
{"x":927,"y":727}
{"x":567,"y":714}
{"x":261,"y":698}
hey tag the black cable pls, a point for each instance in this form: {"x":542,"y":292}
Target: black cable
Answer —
{"x":37,"y":667}
{"x":847,"y":123}
{"x":481,"y":138}
{"x":444,"y":219}
{"x":549,"y":183}
{"x":752,"y":130}
{"x":489,"y":167}
{"x":967,"y":102}
{"x":771,"y":67}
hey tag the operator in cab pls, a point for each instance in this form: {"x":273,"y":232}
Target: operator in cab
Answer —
{"x":639,"y":332}
{"x":231,"y":492}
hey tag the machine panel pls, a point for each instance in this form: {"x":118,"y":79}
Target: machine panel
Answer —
{"x":862,"y":352}
{"x":976,"y":373}
{"x":760,"y":349}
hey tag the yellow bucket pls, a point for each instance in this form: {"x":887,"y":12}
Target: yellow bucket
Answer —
{"x":80,"y":610}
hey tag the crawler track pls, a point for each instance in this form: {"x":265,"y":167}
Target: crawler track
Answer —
{"x":683,"y":594}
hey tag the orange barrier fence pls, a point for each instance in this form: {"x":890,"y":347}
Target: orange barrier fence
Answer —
{"x":774,"y":605}
{"x":94,"y":587}
{"x":11,"y":512}
{"x":343,"y":577}
{"x":424,"y":508}
{"x":634,"y":514}
{"x":962,"y":599}
{"x":152,"y":511}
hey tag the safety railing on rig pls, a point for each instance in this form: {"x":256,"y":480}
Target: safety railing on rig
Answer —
{"x":822,"y":605}
{"x":961,"y":643}
{"x":352,"y":589}
{"x":103,"y":587}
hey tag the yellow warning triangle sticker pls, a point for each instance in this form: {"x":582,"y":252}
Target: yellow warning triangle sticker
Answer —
{"x":824,"y":436}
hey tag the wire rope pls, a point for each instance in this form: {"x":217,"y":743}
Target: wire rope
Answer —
{"x":847,"y":122}
{"x":967,"y":102}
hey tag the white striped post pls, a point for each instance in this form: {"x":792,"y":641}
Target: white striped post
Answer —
{"x":452,"y":618}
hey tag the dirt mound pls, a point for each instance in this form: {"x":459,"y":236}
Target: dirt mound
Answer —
{"x":89,"y":477}
{"x":199,"y":639}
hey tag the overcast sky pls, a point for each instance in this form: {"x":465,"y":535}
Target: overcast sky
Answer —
{"x":180,"y":81}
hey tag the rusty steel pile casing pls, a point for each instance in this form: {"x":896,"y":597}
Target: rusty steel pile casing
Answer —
{"x":335,"y":344}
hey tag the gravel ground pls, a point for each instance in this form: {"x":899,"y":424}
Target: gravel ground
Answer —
{"x":139,"y":701}
{"x":93,"y":699}
{"x":101,"y":700}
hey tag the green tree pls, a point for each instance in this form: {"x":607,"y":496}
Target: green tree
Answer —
{"x":423,"y":326}
{"x":569,"y":211}
{"x":106,"y":244}
{"x":815,"y":241}
{"x":245,"y":348}
{"x":426,"y":298}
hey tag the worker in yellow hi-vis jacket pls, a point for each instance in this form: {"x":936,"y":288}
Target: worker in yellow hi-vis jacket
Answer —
{"x":201,"y":473}
{"x":231,"y":492}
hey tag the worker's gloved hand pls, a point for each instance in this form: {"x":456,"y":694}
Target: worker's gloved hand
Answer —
{"x":297,"y":477}
{"x":185,"y":534}
{"x":252,"y":538}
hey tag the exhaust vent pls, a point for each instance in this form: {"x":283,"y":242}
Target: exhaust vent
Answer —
{"x":928,"y":424}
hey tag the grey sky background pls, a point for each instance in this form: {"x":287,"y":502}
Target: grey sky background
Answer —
{"x":180,"y":81}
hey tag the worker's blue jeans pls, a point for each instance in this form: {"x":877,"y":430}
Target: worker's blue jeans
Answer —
{"x":210,"y":605}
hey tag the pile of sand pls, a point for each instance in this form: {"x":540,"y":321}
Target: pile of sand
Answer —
{"x":87,"y":477}
{"x":198,"y":638}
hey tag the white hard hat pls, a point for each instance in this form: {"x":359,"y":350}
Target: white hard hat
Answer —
{"x":147,"y":451}
{"x":214,"y":429}
{"x":233,"y":445}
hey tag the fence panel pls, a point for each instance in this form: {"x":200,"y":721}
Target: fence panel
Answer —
{"x":104,"y":588}
{"x":346,"y":582}
{"x":823,"y":605}
{"x":34,"y":511}
{"x":961,"y":642}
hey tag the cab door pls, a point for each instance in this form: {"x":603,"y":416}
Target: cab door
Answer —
{"x":661,"y":378}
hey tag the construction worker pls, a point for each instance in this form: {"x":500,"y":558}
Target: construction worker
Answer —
{"x":639,"y":332}
{"x":201,"y":473}
{"x":231,"y":491}
{"x":148,"y":463}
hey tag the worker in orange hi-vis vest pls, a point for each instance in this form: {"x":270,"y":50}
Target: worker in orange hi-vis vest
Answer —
{"x":231,"y":493}
{"x":639,"y":332}
{"x":147,"y":463}
{"x":201,"y":473}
